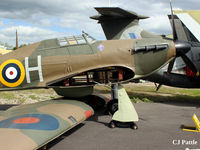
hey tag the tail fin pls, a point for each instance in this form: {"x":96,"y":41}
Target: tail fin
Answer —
{"x":118,"y":23}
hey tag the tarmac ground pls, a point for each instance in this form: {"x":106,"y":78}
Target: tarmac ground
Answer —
{"x":159,"y":128}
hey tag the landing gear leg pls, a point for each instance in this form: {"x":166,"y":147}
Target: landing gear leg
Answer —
{"x":124,"y":112}
{"x":113,"y":103}
{"x":112,"y":106}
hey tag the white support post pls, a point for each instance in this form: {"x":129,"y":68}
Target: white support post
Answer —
{"x":126,"y":111}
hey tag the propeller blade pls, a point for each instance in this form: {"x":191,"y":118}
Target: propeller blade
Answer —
{"x":175,"y":37}
{"x":190,"y":64}
{"x":170,"y":66}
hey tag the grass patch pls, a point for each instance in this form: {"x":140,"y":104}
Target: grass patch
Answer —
{"x":33,"y":97}
{"x":21,"y":101}
{"x":144,"y":93}
{"x":7,"y":95}
{"x":53,"y":97}
{"x":137,"y":93}
{"x":138,"y":100}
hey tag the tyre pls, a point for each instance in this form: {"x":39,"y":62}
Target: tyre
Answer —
{"x":112,"y":106}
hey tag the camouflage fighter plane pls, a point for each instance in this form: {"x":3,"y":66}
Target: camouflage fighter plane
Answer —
{"x":183,"y":72}
{"x":72,"y":66}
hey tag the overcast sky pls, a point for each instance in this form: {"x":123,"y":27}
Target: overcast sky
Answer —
{"x":37,"y":20}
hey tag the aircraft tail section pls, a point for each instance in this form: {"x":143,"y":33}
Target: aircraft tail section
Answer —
{"x":118,"y":23}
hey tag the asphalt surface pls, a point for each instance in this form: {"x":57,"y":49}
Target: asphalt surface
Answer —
{"x":159,"y":129}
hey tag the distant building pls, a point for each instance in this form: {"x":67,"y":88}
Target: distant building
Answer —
{"x":4,"y":51}
{"x":5,"y":46}
{"x":2,"y":47}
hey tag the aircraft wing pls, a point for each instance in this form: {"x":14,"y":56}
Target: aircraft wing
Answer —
{"x":32,"y":126}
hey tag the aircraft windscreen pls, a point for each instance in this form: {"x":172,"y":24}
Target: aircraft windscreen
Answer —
{"x":72,"y":40}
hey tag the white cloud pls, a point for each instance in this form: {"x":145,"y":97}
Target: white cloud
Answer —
{"x":158,"y":24}
{"x":2,"y":24}
{"x":41,"y":18}
{"x":27,"y":34}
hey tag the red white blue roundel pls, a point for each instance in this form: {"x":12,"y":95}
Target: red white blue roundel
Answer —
{"x":12,"y":73}
{"x":31,"y":122}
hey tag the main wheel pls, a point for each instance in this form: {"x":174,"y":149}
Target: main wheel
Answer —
{"x":112,"y":106}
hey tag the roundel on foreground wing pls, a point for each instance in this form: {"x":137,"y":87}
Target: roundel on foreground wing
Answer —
{"x":31,"y":122}
{"x":12,"y":73}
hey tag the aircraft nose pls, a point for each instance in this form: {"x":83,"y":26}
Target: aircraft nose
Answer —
{"x":182,"y":47}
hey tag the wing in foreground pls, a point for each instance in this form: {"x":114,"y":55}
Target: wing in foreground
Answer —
{"x":34,"y":125}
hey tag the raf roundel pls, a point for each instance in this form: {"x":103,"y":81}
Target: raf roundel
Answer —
{"x":12,"y":73}
{"x":31,"y":122}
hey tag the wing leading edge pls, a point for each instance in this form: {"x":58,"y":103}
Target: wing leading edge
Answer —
{"x":34,"y":125}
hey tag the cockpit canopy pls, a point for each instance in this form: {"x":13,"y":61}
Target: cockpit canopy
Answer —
{"x":75,"y":40}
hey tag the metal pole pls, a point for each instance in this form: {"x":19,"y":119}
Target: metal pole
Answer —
{"x":16,"y":40}
{"x":114,"y":91}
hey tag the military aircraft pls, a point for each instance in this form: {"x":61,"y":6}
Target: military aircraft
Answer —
{"x":72,"y":66}
{"x":117,"y":23}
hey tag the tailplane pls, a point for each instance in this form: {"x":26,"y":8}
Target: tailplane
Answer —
{"x":118,"y":23}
